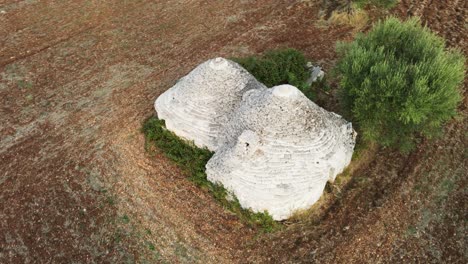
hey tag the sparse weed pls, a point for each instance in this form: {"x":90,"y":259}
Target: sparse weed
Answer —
{"x":125,"y":219}
{"x":385,"y":4}
{"x":118,"y":236}
{"x":411,"y":231}
{"x":23,"y":84}
{"x":110,"y":200}
{"x":151,"y":246}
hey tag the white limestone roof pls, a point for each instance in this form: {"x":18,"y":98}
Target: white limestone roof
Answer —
{"x":199,"y":104}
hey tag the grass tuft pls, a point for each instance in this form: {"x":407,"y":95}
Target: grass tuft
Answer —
{"x":356,"y":18}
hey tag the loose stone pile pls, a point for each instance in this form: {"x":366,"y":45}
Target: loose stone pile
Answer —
{"x":274,"y":148}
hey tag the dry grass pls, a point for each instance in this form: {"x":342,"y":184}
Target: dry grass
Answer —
{"x":356,"y":18}
{"x":363,"y":156}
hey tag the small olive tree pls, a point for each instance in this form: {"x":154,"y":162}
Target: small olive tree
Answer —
{"x":399,"y":81}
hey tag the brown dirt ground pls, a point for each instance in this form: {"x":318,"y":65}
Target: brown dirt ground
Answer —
{"x":77,"y":79}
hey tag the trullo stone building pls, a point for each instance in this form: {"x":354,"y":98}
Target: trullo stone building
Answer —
{"x":274,"y":148}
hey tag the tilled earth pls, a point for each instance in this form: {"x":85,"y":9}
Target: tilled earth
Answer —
{"x":78,"y":78}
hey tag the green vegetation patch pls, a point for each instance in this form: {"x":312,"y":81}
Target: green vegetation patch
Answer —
{"x":192,"y":161}
{"x":276,"y":67}
{"x":386,"y":4}
{"x":399,"y":82}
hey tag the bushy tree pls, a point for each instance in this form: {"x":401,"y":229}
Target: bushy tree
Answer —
{"x":399,"y":81}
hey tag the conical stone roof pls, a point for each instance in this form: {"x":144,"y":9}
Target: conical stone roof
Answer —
{"x":199,"y":105}
{"x":279,"y":149}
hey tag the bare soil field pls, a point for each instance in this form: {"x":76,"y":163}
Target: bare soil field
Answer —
{"x":78,"y":78}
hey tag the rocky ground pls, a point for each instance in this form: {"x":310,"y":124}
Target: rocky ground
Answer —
{"x":78,"y":78}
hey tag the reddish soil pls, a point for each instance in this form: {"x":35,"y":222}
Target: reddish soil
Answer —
{"x":77,"y":79}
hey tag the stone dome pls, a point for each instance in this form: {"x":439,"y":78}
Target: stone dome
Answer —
{"x":279,"y":149}
{"x":199,"y":105}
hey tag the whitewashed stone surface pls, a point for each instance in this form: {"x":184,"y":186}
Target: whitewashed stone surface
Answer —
{"x":279,"y":149}
{"x":198,"y":106}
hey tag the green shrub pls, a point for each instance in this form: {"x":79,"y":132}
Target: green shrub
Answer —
{"x":284,"y":66}
{"x":399,"y":81}
{"x":192,"y":160}
{"x":188,"y":157}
